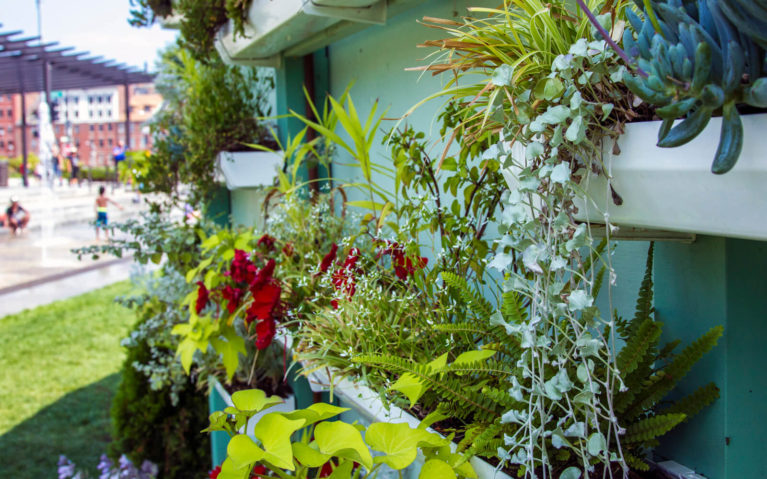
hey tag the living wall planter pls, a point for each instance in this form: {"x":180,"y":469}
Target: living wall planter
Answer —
{"x":673,"y":188}
{"x":248,"y":169}
{"x":220,"y":399}
{"x":274,"y":30}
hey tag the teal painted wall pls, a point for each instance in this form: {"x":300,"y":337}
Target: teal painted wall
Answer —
{"x":218,"y":207}
{"x":719,"y":281}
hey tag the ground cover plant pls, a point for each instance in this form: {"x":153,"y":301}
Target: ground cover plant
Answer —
{"x":60,"y":367}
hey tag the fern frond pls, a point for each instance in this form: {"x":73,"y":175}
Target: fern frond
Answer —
{"x":458,"y":328}
{"x":512,"y":308}
{"x":685,"y":360}
{"x":668,"y":350}
{"x":651,"y":427}
{"x":482,"y":441}
{"x":635,"y":462}
{"x":480,"y":305}
{"x":637,"y":346}
{"x":644,"y":304}
{"x":692,"y":404}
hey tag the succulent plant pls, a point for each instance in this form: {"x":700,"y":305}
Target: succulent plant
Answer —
{"x":694,"y":61}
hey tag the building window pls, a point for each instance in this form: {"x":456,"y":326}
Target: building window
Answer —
{"x":121,"y":128}
{"x":77,"y":114}
{"x":1,"y":113}
{"x":90,"y":99}
{"x":98,"y":99}
{"x":10,"y":113}
{"x":90,"y":114}
{"x":109,"y":142}
{"x":2,"y":144}
{"x":11,"y":146}
{"x":90,"y":127}
{"x":101,"y":143}
{"x":101,"y":127}
{"x":77,"y":129}
{"x":147,"y":108}
{"x":109,"y":127}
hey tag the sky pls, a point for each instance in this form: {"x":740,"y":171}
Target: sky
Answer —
{"x":97,"y":26}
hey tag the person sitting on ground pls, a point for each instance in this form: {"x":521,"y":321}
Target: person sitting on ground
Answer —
{"x":101,"y":212}
{"x":16,"y":216}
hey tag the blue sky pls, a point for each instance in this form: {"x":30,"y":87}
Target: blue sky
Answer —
{"x":98,"y":26}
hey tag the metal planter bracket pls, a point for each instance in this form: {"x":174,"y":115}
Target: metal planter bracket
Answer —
{"x":631,"y":233}
{"x":374,"y":13}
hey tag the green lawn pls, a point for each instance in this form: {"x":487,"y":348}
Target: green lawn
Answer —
{"x":59,"y":369}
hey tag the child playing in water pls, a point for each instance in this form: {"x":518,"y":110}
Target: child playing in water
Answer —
{"x":101,"y":212}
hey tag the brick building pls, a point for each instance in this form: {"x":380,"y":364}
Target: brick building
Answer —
{"x":93,"y":120}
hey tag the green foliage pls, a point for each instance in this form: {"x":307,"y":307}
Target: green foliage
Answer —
{"x":322,"y":443}
{"x":200,"y":19}
{"x":209,"y":107}
{"x":149,"y":426}
{"x":697,"y":58}
{"x":514,"y":46}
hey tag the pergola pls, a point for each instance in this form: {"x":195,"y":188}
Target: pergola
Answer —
{"x":27,"y":65}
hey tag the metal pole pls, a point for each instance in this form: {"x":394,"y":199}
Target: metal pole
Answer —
{"x":24,"y":160}
{"x":127,"y":116}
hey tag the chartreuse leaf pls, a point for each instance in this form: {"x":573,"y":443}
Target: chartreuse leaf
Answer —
{"x":274,"y":431}
{"x":254,"y":400}
{"x":242,"y":241}
{"x":342,"y":440}
{"x":436,"y":469}
{"x":309,"y":456}
{"x":211,"y":242}
{"x":399,"y":442}
{"x":243,"y":451}
{"x":315,"y":413}
{"x":368,"y":205}
{"x":229,"y":470}
{"x":470,"y":357}
{"x":342,"y":471}
{"x":411,"y":386}
{"x":229,"y":347}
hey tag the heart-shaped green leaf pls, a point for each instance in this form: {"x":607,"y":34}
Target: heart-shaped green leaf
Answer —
{"x":309,"y":456}
{"x":342,"y":440}
{"x":436,"y":469}
{"x":254,"y":400}
{"x":399,"y":442}
{"x":243,"y":451}
{"x":274,"y":431}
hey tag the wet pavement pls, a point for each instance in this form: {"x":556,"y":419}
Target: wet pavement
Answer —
{"x":37,"y":266}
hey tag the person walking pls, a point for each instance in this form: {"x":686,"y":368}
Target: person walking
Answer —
{"x":101,"y":212}
{"x":16,"y":216}
{"x":118,"y":156}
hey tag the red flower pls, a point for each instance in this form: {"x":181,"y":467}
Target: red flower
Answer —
{"x":265,"y":330}
{"x":287,"y":250}
{"x":403,"y":265}
{"x":258,"y":471}
{"x":262,"y":277}
{"x":214,"y":473}
{"x":334,"y":303}
{"x":327,"y":469}
{"x":329,"y":258}
{"x":242,"y":270}
{"x":233,"y":296}
{"x":267,"y":242}
{"x":352,"y":258}
{"x":264,"y":301}
{"x":202,"y":297}
{"x":343,"y":280}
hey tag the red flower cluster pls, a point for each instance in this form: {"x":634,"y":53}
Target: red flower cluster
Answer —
{"x":404,"y":266}
{"x":266,"y":291}
{"x":343,"y":278}
{"x":202,"y":297}
{"x":327,"y":261}
{"x":267,"y":242}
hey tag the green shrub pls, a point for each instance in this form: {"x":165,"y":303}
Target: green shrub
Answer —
{"x":148,"y":427}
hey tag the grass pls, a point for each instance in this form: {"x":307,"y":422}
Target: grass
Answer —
{"x":60,"y":368}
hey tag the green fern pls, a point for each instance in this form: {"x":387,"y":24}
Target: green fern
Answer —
{"x":651,"y":427}
{"x":638,"y":345}
{"x":692,"y":404}
{"x":481,"y":307}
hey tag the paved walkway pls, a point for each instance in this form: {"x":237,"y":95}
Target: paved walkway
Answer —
{"x":37,"y":266}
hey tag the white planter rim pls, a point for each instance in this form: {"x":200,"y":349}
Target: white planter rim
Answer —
{"x":248,"y":169}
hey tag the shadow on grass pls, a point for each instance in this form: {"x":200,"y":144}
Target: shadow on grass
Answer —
{"x":77,"y":425}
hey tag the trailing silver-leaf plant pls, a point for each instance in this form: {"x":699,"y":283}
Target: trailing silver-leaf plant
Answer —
{"x":473,"y":386}
{"x":694,"y":61}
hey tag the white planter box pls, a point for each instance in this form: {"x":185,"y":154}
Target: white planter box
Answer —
{"x":248,"y":169}
{"x":273,"y":27}
{"x":673,"y":188}
{"x":368,"y":404}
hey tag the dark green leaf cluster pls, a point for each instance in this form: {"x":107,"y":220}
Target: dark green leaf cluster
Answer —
{"x":200,"y":19}
{"x":699,"y":58}
{"x":147,"y":426}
